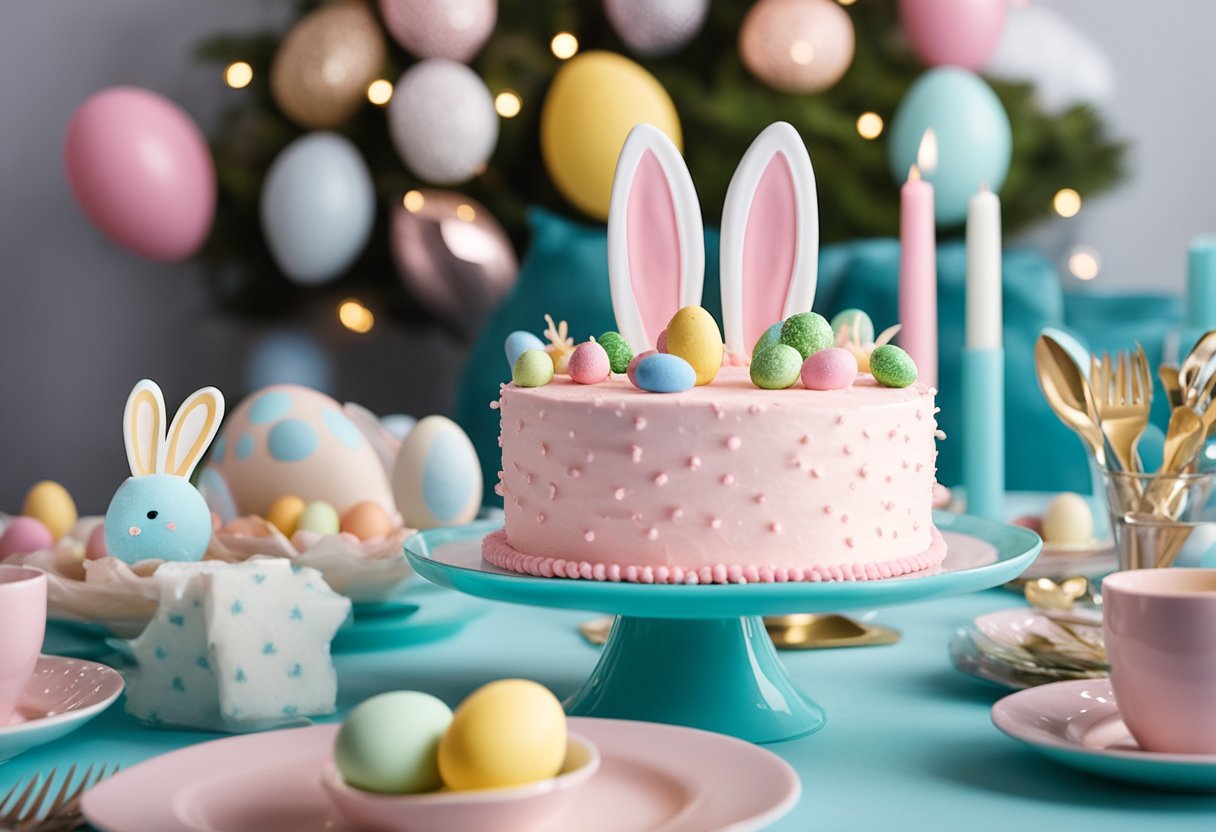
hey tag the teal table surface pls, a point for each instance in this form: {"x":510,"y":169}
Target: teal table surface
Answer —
{"x":908,"y":742}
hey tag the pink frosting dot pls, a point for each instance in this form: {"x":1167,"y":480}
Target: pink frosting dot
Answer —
{"x":631,"y":370}
{"x":832,"y":369}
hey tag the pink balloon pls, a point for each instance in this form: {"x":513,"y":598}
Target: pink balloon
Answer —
{"x":140,"y":169}
{"x":954,"y":32}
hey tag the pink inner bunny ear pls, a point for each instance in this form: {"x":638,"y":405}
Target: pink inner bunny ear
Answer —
{"x":654,"y":246}
{"x":770,"y":246}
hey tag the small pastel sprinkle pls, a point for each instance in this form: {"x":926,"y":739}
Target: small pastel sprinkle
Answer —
{"x":663,"y":373}
{"x":631,"y":370}
{"x":770,"y":338}
{"x":861,"y":328}
{"x":519,"y":341}
{"x":832,"y":369}
{"x":892,"y":367}
{"x":618,"y":349}
{"x":807,"y":332}
{"x":533,"y":368}
{"x":589,"y":364}
{"x":776,"y":367}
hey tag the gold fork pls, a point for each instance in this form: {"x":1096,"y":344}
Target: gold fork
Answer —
{"x":1124,"y":394}
{"x":26,"y":808}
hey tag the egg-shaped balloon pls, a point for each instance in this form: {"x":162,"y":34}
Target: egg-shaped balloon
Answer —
{"x":954,"y":32}
{"x":974,"y":139}
{"x":437,"y":475}
{"x":595,"y":99}
{"x":140,"y":169}
{"x":288,"y":439}
{"x":317,"y":207}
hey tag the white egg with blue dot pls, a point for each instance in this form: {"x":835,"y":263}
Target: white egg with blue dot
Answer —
{"x":437,"y":476}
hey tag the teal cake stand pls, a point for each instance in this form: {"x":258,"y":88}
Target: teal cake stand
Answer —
{"x":699,"y":655}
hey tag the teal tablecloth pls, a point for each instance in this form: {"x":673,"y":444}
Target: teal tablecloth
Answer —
{"x":908,"y":743}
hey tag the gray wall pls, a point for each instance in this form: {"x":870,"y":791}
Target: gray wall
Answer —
{"x":81,"y":320}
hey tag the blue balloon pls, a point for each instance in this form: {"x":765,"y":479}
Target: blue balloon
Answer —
{"x":317,"y":207}
{"x":974,"y":140}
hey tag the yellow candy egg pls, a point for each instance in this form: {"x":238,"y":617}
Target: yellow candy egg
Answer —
{"x":52,"y":505}
{"x":693,"y":335}
{"x":284,"y":513}
{"x":367,"y":520}
{"x":507,"y":733}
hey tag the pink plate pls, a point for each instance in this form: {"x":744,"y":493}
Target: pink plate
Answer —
{"x":62,"y":695}
{"x":650,"y":776}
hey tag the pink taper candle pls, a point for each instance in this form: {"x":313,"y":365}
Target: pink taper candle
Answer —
{"x":918,"y":276}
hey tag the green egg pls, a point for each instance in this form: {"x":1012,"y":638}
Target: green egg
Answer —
{"x":390,"y":743}
{"x":770,"y":338}
{"x":861,"y":328}
{"x":320,"y":517}
{"x":618,"y":349}
{"x":533,"y":368}
{"x":776,"y":367}
{"x":807,"y":332}
{"x":892,"y":367}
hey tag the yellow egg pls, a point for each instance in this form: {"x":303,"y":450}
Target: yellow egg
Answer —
{"x":693,"y":335}
{"x":284,"y":513}
{"x":367,"y":520}
{"x":507,"y":733}
{"x":1068,"y":520}
{"x":52,"y":505}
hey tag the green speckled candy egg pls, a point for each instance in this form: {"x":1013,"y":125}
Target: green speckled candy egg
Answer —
{"x":618,"y":349}
{"x":770,"y":338}
{"x":861,"y":328}
{"x":390,"y":743}
{"x":533,"y":368}
{"x":807,"y":332}
{"x":892,"y":367}
{"x":776,"y":367}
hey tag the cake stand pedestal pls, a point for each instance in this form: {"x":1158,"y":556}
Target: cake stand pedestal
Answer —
{"x":699,"y":655}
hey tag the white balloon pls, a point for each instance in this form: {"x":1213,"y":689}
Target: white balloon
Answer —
{"x":1065,"y":66}
{"x":442,"y":121}
{"x":656,"y":27}
{"x":317,"y":207}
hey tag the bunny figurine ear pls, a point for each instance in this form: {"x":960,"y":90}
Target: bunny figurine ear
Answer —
{"x":143,"y":428}
{"x":193,"y":428}
{"x":656,"y":248}
{"x":770,"y":237}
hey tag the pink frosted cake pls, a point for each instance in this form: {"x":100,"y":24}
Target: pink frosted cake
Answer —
{"x":713,"y":461}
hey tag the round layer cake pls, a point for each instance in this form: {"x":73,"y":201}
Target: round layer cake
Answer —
{"x":721,"y":483}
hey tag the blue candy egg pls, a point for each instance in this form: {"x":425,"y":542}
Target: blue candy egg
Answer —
{"x":664,"y":373}
{"x":518,"y":341}
{"x":157,"y":516}
{"x":437,"y":475}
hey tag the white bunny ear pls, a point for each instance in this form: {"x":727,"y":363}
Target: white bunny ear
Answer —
{"x":770,"y":237}
{"x":143,"y":427}
{"x":656,"y":248}
{"x":193,"y":428}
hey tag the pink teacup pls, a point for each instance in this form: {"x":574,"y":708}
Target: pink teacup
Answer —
{"x":22,"y":627}
{"x":1160,"y":630}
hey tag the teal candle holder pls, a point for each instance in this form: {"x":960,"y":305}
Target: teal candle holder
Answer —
{"x":984,"y":432}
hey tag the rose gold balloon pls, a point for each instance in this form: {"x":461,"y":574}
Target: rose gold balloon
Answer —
{"x":797,"y":45}
{"x":320,"y":74}
{"x":452,"y":255}
{"x":453,"y":29}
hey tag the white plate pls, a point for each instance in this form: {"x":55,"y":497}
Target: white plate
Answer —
{"x":62,"y":695}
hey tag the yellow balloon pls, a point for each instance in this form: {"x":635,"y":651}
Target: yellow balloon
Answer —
{"x":594,"y":101}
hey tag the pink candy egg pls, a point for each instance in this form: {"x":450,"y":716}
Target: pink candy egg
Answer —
{"x":660,"y":343}
{"x":589,"y":364}
{"x":832,"y":369}
{"x":25,"y":535}
{"x":96,"y":549}
{"x":630,"y":371}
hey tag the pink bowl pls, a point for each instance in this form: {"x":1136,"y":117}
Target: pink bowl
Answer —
{"x":535,"y":806}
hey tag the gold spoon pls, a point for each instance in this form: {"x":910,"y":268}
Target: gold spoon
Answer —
{"x":1183,"y":439}
{"x":1069,"y":394}
{"x":1192,"y":366}
{"x":792,"y":632}
{"x":1168,"y":373}
{"x":1046,"y":594}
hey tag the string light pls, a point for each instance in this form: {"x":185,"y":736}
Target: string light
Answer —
{"x":413,"y":201}
{"x":379,"y":92}
{"x":465,"y":212}
{"x":869,"y":125}
{"x":1067,"y":202}
{"x":355,"y":316}
{"x":507,"y":104}
{"x":564,"y":45}
{"x":238,"y":74}
{"x":1084,"y":263}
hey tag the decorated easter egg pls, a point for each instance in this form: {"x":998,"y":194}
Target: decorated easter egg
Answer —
{"x":437,"y":476}
{"x":589,"y":364}
{"x":776,"y":368}
{"x":693,"y":335}
{"x":52,"y":505}
{"x":390,"y":743}
{"x":631,"y":369}
{"x":507,"y":733}
{"x":832,"y":369}
{"x":285,"y":513}
{"x":517,"y":342}
{"x":664,"y":373}
{"x":533,"y":368}
{"x":25,"y":535}
{"x":618,"y":349}
{"x":367,"y":521}
{"x":861,"y":328}
{"x":807,"y":332}
{"x":289,"y":439}
{"x":320,"y":517}
{"x":157,"y":516}
{"x":892,"y":367}
{"x":770,"y":338}
{"x":660,"y":343}
{"x":95,"y":548}
{"x":1068,"y":519}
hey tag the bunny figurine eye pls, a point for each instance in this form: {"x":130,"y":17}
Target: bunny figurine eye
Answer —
{"x":157,"y":513}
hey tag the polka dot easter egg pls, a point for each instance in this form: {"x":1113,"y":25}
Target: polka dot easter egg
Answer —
{"x":437,"y":476}
{"x":290,"y":439}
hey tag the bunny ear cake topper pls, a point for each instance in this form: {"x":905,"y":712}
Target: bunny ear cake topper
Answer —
{"x":656,"y":247}
{"x":149,"y":449}
{"x":770,"y":237}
